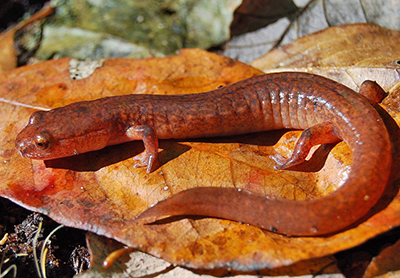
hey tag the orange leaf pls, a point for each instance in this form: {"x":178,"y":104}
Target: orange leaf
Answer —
{"x":102,"y":192}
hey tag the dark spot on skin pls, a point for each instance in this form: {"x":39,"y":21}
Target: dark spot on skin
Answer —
{"x":62,"y":86}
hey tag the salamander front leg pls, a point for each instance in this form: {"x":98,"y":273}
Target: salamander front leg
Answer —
{"x":149,"y":157}
{"x":315,"y":135}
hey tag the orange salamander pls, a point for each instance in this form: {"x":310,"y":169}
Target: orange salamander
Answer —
{"x":327,"y":111}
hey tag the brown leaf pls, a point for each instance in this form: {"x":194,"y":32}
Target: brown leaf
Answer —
{"x":312,"y":16}
{"x":347,"y":53}
{"x":138,"y":264}
{"x":254,"y":14}
{"x":102,"y":192}
{"x":100,"y":248}
{"x":387,"y":262}
{"x":128,"y":264}
{"x":8,"y":57}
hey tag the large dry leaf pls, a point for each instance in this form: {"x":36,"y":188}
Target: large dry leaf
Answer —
{"x":102,"y":192}
{"x":320,"y":14}
{"x":138,"y":264}
{"x":313,"y":16}
{"x":347,"y":53}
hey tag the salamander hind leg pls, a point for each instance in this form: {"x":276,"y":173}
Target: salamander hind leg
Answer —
{"x":372,"y":91}
{"x":149,"y":158}
{"x":319,"y":134}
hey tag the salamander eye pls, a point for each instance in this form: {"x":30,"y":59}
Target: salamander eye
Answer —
{"x":42,"y":141}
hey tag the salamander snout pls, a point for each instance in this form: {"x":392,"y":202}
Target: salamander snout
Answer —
{"x":23,"y":146}
{"x":33,"y":146}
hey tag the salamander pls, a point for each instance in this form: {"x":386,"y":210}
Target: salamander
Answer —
{"x":327,"y":111}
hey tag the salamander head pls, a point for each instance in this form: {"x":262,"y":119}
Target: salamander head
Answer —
{"x":48,"y":137}
{"x":35,"y":146}
{"x":31,"y":142}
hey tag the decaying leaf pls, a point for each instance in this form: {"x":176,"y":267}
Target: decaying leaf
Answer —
{"x":254,"y":14}
{"x":8,"y":57}
{"x":349,"y":54}
{"x":130,"y":264}
{"x":159,"y":26}
{"x":321,"y":14}
{"x":312,"y":16}
{"x":138,"y":264}
{"x":102,"y":192}
{"x":387,"y":262}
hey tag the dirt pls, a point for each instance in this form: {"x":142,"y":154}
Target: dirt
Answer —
{"x":67,"y":254}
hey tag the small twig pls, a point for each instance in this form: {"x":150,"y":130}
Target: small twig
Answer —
{"x":43,"y":252}
{"x":11,"y":267}
{"x":34,"y":243}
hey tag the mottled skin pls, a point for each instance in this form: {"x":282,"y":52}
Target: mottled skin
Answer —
{"x":328,"y":111}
